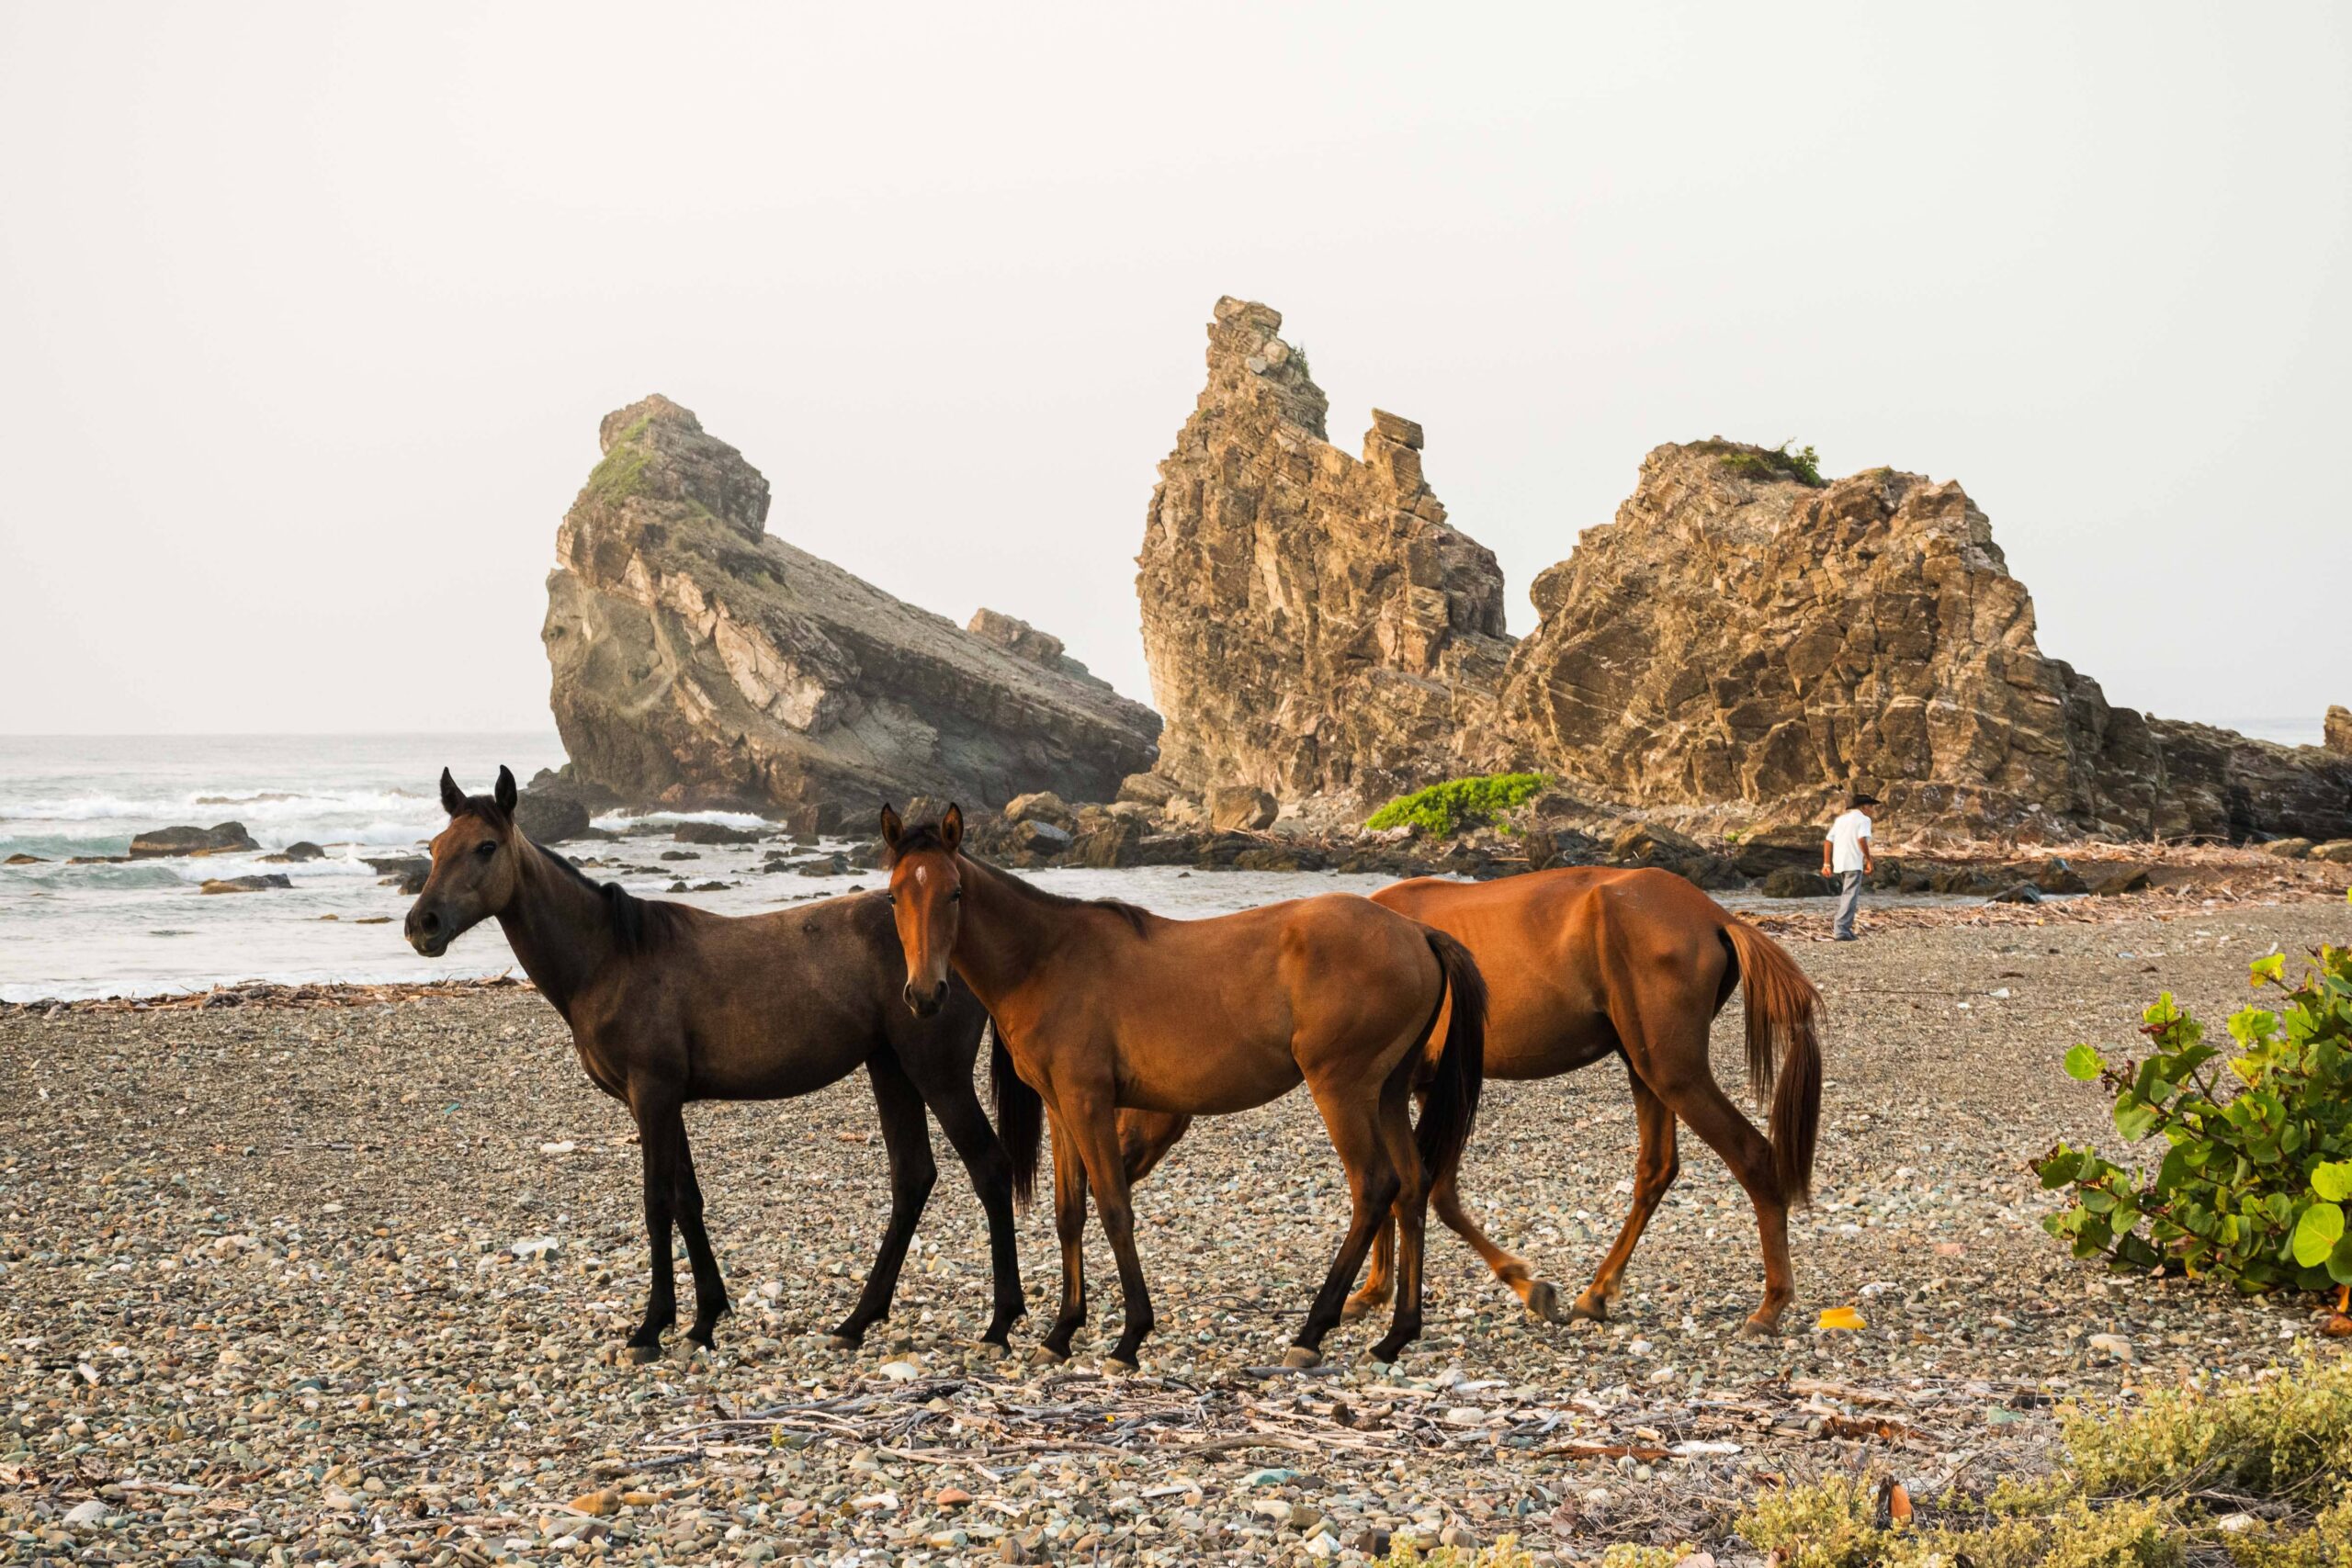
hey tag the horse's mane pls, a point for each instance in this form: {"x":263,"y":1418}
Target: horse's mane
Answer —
{"x":926,"y":836}
{"x":639,"y":925}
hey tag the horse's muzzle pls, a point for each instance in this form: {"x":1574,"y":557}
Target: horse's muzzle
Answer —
{"x":927,"y":1004}
{"x":427,"y":932}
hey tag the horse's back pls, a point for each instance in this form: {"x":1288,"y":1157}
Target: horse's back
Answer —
{"x":1553,"y":944}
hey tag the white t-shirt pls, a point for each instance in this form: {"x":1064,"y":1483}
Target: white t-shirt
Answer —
{"x":1846,"y":836}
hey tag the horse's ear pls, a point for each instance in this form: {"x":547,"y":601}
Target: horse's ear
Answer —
{"x":453,"y":799}
{"x":951,"y":828}
{"x":891,"y":827}
{"x":506,"y":794}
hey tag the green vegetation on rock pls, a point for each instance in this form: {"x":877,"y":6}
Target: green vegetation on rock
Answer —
{"x":1803,"y":465}
{"x":615,"y":479}
{"x":1457,"y":803}
{"x":2254,"y":1183}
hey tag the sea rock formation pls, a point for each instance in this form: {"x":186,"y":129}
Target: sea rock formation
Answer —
{"x":221,"y":838}
{"x":2336,"y":730}
{"x":1743,"y":634}
{"x":699,"y":659}
{"x":1312,"y":623}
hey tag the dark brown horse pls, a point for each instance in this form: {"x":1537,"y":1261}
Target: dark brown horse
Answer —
{"x":1587,"y":963}
{"x":669,"y":1004}
{"x":1102,"y":1005}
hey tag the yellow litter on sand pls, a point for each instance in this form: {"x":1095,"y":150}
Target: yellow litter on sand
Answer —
{"x":1841,"y":1317}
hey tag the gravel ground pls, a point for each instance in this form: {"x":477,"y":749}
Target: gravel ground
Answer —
{"x":261,"y":1297}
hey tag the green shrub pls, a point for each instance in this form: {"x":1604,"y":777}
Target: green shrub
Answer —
{"x":2252,"y":1187}
{"x":2137,"y":1492}
{"x":1457,"y":803}
{"x":1803,"y":465}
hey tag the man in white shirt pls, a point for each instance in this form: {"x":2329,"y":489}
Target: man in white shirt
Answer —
{"x":1846,"y":855}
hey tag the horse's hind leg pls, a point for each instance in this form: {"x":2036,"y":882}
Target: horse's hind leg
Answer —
{"x":908,"y":1140}
{"x":661,"y":1136}
{"x":1373,"y":1187}
{"x":710,"y":1289}
{"x":1408,"y":1217}
{"x":976,"y":1143}
{"x":1379,"y":1280}
{"x":1698,"y":1102}
{"x":1538,"y":1295}
{"x":1654,"y":1169}
{"x":1069,"y":1227}
{"x":1093,"y":1131}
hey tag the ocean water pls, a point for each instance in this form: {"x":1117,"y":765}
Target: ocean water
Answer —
{"x":145,"y":929}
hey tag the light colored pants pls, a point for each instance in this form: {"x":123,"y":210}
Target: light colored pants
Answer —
{"x":1849,"y":898}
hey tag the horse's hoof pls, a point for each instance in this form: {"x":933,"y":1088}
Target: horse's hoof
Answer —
{"x":1544,"y":1302}
{"x":1588,"y":1309}
{"x":991,"y":1349}
{"x":1124,"y":1365}
{"x":1353,"y":1308}
{"x":1046,"y":1356}
{"x":1760,"y":1328}
{"x":1298,"y":1358}
{"x":641,"y":1355}
{"x":842,"y":1341}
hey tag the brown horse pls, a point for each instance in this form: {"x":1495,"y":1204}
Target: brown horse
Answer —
{"x":1102,"y":1005}
{"x":1587,"y":962}
{"x":669,"y":1004}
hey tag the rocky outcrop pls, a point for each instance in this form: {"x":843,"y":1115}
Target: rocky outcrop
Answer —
{"x":1312,"y":623}
{"x":2336,"y":730}
{"x":1741,"y":634}
{"x":221,"y":838}
{"x":699,"y":659}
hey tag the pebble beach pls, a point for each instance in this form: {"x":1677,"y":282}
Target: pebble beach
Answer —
{"x":339,"y":1276}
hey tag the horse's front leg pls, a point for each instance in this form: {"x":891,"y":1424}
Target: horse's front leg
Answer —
{"x":661,"y":1137}
{"x":710,"y":1289}
{"x":913,"y":1171}
{"x":1070,"y":1226}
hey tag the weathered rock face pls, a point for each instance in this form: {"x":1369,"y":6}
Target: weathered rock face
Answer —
{"x":1740,"y":636}
{"x":699,"y":659}
{"x":2336,"y":731}
{"x":1312,"y":623}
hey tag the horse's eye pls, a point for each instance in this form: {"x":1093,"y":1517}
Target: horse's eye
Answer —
{"x":955,"y":895}
{"x":891,"y":899}
{"x":487,"y":850}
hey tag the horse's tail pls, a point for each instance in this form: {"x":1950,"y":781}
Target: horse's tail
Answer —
{"x":1461,"y":1067}
{"x":1019,"y":1116}
{"x":1783,"y":1014}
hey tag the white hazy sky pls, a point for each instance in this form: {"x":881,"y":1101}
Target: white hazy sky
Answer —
{"x":308,"y":313}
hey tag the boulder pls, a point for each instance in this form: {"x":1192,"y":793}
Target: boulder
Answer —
{"x":717,"y":833}
{"x":1313,"y":624}
{"x":302,"y":849}
{"x":2336,"y":850}
{"x":2021,"y":893}
{"x":1640,"y":843}
{"x":222,"y":838}
{"x":1244,"y":806}
{"x":1796,"y":882}
{"x":1549,"y":847}
{"x":1152,"y":790}
{"x":1116,"y":844}
{"x":406,"y":872}
{"x":2107,"y":881}
{"x":1278,"y":857}
{"x":24,"y":860}
{"x":1763,"y":850}
{"x":2055,"y":875}
{"x":1168,"y":849}
{"x":699,"y":660}
{"x":260,"y":883}
{"x":1040,"y":805}
{"x":2288,"y":848}
{"x":1043,"y":839}
{"x":550,"y":817}
{"x":2335,"y":729}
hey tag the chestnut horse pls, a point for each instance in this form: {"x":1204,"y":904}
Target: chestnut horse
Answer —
{"x":668,"y":1004}
{"x":1100,"y":1005}
{"x":1589,"y":963}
